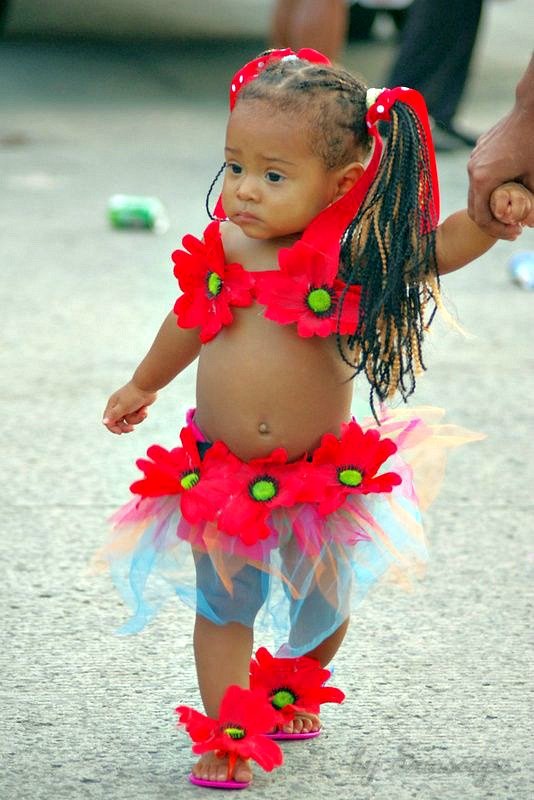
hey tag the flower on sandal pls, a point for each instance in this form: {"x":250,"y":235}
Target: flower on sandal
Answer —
{"x":349,"y":465}
{"x":181,"y":471}
{"x":261,"y":485}
{"x":210,"y":286}
{"x":245,"y":717}
{"x":292,"y":684}
{"x":305,"y":290}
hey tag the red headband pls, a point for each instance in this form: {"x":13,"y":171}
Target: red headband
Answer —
{"x":252,"y":69}
{"x":325,"y":231}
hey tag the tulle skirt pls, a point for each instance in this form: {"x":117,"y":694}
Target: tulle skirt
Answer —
{"x":301,"y":578}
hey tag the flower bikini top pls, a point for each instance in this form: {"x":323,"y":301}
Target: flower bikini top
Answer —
{"x":304,"y":290}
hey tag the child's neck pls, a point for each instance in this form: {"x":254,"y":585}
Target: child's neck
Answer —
{"x":258,"y":253}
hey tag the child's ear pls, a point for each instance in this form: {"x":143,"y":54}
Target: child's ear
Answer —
{"x":348,"y":176}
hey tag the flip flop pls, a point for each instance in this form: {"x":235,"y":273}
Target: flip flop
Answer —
{"x":244,"y":715}
{"x":218,"y":784}
{"x":281,"y":736}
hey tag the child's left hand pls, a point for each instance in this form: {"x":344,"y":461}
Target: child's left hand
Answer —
{"x":513,"y":204}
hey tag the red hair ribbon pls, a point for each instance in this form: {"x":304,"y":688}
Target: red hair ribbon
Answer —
{"x":381,"y":110}
{"x":324,"y":233}
{"x":252,"y":69}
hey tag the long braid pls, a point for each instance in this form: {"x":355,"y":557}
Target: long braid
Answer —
{"x":389,"y":250}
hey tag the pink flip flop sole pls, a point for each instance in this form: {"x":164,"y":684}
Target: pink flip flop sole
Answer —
{"x":282,"y":737}
{"x":218,"y":784}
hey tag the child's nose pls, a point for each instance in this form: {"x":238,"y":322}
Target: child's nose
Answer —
{"x":247,"y":188}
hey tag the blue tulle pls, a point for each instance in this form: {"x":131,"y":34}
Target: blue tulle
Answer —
{"x":291,"y":596}
{"x":303,"y":581}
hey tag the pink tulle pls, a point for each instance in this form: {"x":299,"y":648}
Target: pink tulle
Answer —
{"x":153,"y":550}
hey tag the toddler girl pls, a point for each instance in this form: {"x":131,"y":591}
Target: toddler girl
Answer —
{"x":321,"y":262}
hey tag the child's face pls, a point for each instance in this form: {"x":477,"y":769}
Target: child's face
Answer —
{"x":274,"y":184}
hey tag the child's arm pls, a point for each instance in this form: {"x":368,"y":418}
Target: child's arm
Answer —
{"x":459,"y":240}
{"x":172,"y":351}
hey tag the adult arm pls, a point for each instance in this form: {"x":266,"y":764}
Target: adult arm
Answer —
{"x":504,"y":153}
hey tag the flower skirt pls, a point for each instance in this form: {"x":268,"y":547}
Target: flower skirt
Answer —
{"x":315,"y":552}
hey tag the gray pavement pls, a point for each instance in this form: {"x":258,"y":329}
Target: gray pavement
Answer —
{"x":439,"y":682}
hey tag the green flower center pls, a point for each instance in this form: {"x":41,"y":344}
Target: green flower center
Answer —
{"x":319,"y":301}
{"x":349,"y":476}
{"x":215,"y":284}
{"x":234,"y":732}
{"x":189,"y":480}
{"x":263,"y":489}
{"x":282,"y":698}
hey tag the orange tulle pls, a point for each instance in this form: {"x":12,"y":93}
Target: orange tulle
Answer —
{"x":302,"y":578}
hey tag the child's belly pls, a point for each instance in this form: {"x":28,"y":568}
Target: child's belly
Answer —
{"x":261,"y":386}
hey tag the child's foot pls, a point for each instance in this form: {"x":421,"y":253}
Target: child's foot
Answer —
{"x":303,"y":722}
{"x":210,"y":767}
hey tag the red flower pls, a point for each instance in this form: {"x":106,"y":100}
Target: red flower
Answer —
{"x":349,"y":465}
{"x":260,"y":486}
{"x":181,"y":471}
{"x":305,"y":290}
{"x":245,"y":717}
{"x":209,"y":285}
{"x":292,"y":684}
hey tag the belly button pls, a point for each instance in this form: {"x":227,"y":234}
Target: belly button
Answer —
{"x":263,"y":427}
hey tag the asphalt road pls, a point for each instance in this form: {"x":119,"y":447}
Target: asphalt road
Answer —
{"x":438,"y":682}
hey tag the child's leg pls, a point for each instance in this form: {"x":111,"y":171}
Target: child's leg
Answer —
{"x":223,"y":651}
{"x":319,"y":608}
{"x":325,"y":652}
{"x":222,"y":657}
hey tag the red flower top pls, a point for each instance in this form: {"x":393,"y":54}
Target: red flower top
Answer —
{"x":292,"y":684}
{"x":305,"y":290}
{"x":210,"y":286}
{"x":180,"y":471}
{"x":245,"y":717}
{"x":349,"y":465}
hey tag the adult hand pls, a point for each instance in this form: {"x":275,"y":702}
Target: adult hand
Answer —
{"x":504,"y":153}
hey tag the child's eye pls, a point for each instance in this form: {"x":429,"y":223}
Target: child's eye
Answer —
{"x":235,"y":169}
{"x":274,"y":177}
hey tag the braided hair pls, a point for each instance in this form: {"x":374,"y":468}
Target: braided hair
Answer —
{"x":332,"y":100}
{"x":389,"y":247}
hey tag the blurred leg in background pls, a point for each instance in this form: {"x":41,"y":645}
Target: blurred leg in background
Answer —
{"x":321,"y":24}
{"x":3,"y":14}
{"x":434,"y":57}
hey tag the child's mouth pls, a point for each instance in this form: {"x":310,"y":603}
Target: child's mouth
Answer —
{"x":244,"y":216}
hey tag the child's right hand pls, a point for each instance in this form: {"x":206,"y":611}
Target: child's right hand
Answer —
{"x":126,"y":408}
{"x":513,"y":204}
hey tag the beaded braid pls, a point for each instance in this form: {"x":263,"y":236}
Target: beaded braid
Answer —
{"x":389,"y":250}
